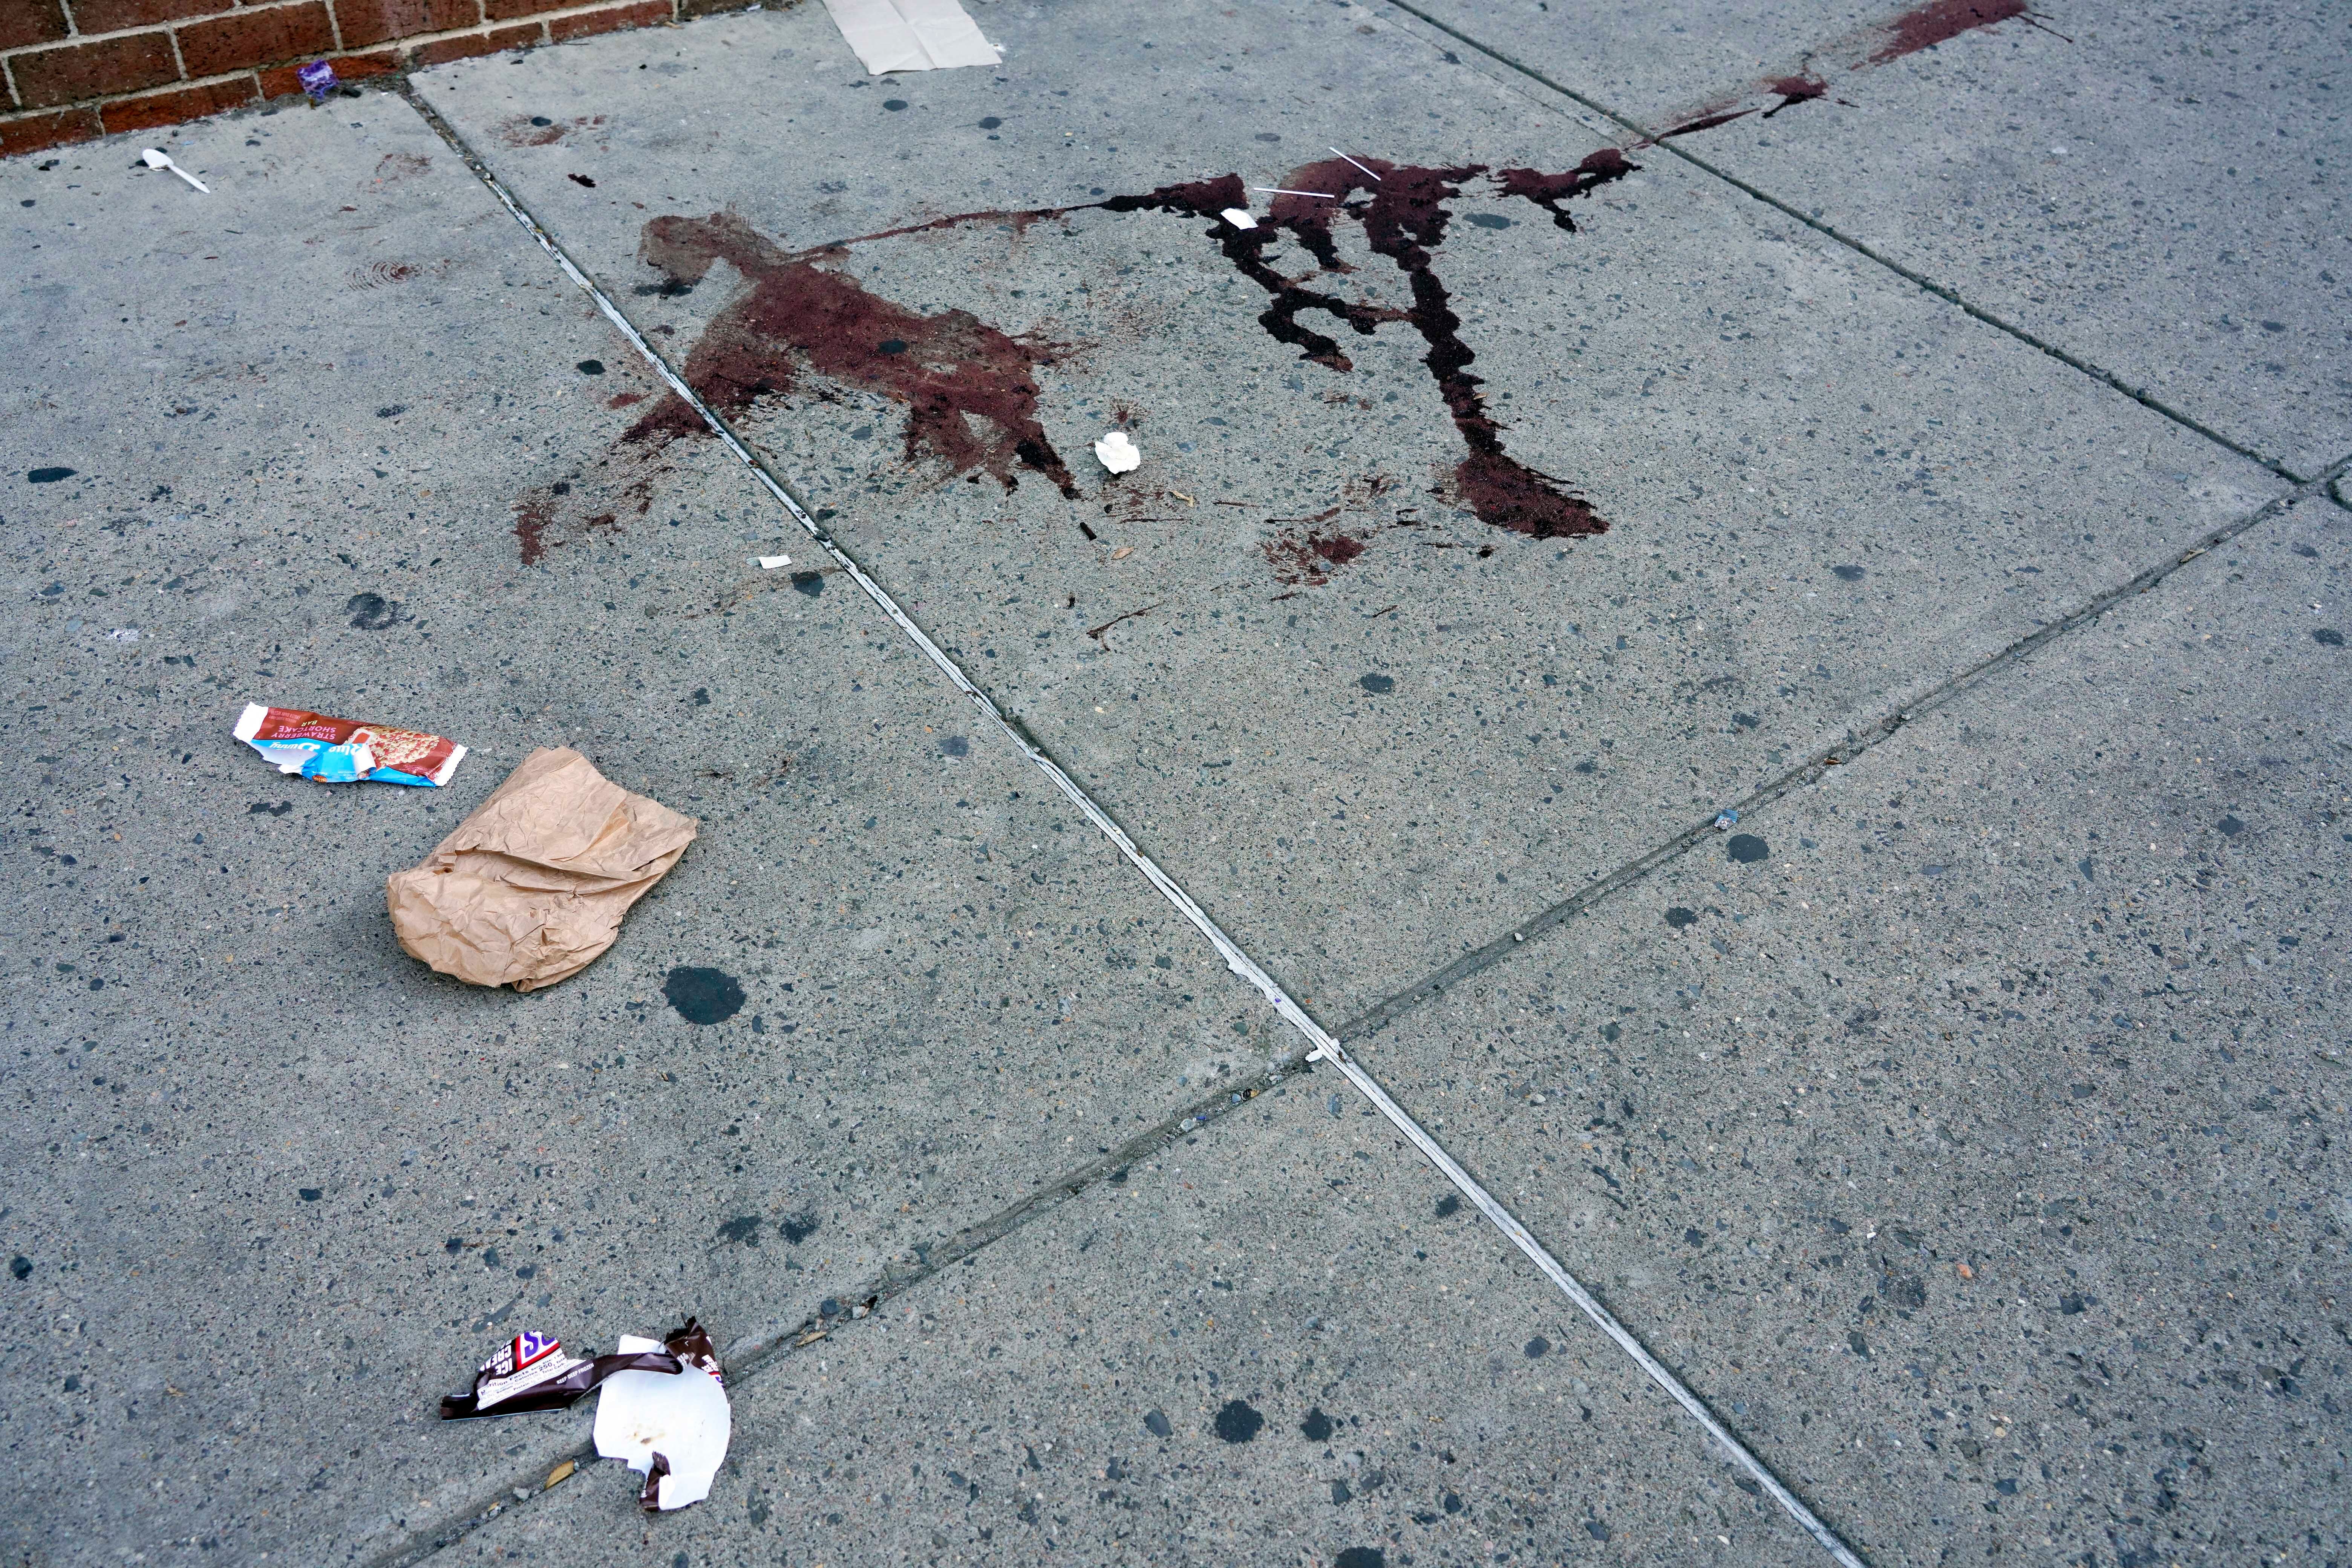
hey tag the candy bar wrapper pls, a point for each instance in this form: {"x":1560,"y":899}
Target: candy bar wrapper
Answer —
{"x":345,"y":751}
{"x":532,"y":1371}
{"x":691,"y":1345}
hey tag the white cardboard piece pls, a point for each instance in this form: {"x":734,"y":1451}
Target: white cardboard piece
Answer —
{"x":911,"y":35}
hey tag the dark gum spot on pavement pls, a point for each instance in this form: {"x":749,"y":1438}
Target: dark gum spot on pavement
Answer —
{"x":703,"y":995}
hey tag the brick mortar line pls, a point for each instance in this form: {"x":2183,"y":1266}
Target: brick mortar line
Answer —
{"x":1918,"y":280}
{"x":392,"y":45}
{"x":400,"y":41}
{"x":73,"y":39}
{"x":107,"y":101}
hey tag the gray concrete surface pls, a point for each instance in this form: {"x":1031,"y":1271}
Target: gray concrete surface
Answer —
{"x":2047,"y":989}
{"x":1773,"y":407}
{"x":307,"y":1161}
{"x":343,"y":437}
{"x":2151,"y":190}
{"x":1194,"y":1283}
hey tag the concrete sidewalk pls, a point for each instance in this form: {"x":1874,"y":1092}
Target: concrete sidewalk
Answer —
{"x":1966,"y":1130}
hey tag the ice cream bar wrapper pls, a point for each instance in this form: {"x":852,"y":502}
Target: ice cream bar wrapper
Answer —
{"x":532,"y":1372}
{"x":345,"y":751}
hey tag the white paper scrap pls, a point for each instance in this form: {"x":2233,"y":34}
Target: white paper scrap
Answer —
{"x":911,"y":35}
{"x":1239,"y":218}
{"x":683,"y":1416}
{"x":1117,"y":453}
{"x":769,"y":562}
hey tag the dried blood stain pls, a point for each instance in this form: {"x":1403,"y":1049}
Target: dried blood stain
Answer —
{"x":970,"y":391}
{"x":1880,"y":43}
{"x":1939,"y":22}
{"x":1405,"y":216}
{"x":1307,"y":561}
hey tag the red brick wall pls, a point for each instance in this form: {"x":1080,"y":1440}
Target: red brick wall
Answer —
{"x":72,"y":70}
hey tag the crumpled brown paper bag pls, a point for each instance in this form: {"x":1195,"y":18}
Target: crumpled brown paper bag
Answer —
{"x":532,"y":886}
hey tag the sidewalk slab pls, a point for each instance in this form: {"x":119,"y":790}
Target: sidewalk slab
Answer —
{"x":1826,"y":492}
{"x":1976,"y":1146}
{"x":2153,"y":191}
{"x":1274,"y":1343}
{"x":274,"y":1187}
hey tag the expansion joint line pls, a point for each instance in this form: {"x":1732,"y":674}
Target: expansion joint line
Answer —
{"x":1862,"y":738}
{"x":1322,"y":1045}
{"x":1918,"y":280}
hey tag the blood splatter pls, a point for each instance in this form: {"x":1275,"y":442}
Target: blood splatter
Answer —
{"x":1921,"y":27}
{"x":970,"y":391}
{"x":1305,"y":561}
{"x":1794,"y":90}
{"x":1404,"y":219}
{"x":1548,"y":191}
{"x":551,"y":516}
{"x":1938,"y":22}
{"x":396,"y":167}
{"x":1705,"y":122}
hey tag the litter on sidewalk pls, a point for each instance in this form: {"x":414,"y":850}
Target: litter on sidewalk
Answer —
{"x":155,"y":158}
{"x":661,"y":1405}
{"x":345,"y":750}
{"x":911,"y":35}
{"x":1117,"y":453}
{"x":532,"y":1372}
{"x":532,"y":886}
{"x":769,"y":562}
{"x":318,"y":80}
{"x":673,"y":1429}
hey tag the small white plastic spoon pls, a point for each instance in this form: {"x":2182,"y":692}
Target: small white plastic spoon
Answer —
{"x":155,"y":160}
